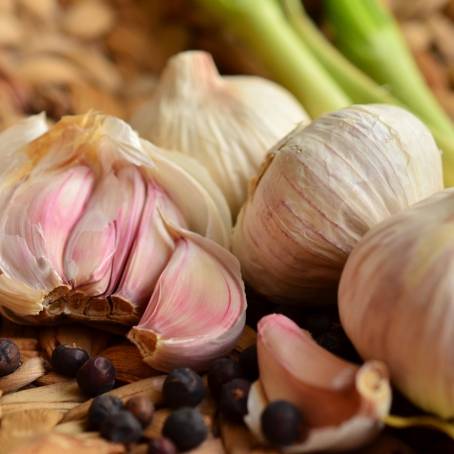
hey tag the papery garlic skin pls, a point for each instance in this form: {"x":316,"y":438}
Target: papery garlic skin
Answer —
{"x":226,"y":123}
{"x":342,"y":404}
{"x":322,"y":188}
{"x":396,"y":300}
{"x":198,"y":308}
{"x":81,"y":225}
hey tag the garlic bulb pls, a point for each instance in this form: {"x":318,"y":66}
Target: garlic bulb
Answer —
{"x":198,"y":308}
{"x":226,"y":123}
{"x":322,"y":188}
{"x":396,"y":297}
{"x":342,"y":404}
{"x":82,"y":229}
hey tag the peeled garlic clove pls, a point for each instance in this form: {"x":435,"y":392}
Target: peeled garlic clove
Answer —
{"x":197,"y":311}
{"x":241,"y":118}
{"x":342,"y":404}
{"x":396,"y":298}
{"x":74,"y":225}
{"x":322,"y":188}
{"x":150,"y":251}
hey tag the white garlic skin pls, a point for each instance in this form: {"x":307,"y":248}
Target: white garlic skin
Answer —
{"x":227,"y":123}
{"x":396,"y":300}
{"x":324,"y":186}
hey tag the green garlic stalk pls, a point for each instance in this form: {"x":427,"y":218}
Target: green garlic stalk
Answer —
{"x":262,"y":25}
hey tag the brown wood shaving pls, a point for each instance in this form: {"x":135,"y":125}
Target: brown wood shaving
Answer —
{"x":27,"y":373}
{"x":55,"y":443}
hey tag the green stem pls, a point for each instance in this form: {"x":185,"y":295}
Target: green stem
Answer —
{"x":263,"y":26}
{"x":356,"y":84}
{"x":369,"y":36}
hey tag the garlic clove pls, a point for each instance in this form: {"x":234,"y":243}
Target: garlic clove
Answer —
{"x":99,"y":243}
{"x":36,"y":223}
{"x":242,"y":117}
{"x":396,"y":300}
{"x":322,"y":188}
{"x":150,"y":251}
{"x":342,"y":404}
{"x":205,"y":210}
{"x":197,"y":311}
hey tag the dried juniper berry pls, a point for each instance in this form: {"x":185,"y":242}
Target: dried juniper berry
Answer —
{"x":101,"y":408}
{"x":96,"y":376}
{"x":282,"y":423}
{"x":161,"y":446}
{"x":67,"y":360}
{"x":122,"y":427}
{"x":142,"y":408}
{"x":183,"y":388}
{"x":10,"y":358}
{"x":186,"y":428}
{"x":249,"y":363}
{"x":233,"y":400}
{"x":222,"y":371}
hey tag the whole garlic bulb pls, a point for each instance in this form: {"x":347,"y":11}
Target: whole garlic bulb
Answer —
{"x":227,"y":123}
{"x":323,"y":187}
{"x":83,"y":213}
{"x":396,"y":299}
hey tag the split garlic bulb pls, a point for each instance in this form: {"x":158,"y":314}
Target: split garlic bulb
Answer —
{"x":396,"y":297}
{"x":227,"y":123}
{"x":84,"y":207}
{"x":343,"y":405}
{"x":323,"y":187}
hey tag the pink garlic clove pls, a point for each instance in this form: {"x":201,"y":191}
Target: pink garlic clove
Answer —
{"x":98,"y":247}
{"x":37,"y":222}
{"x":343,"y":405}
{"x":197,"y":311}
{"x":151,"y":249}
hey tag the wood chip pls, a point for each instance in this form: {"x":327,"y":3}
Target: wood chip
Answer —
{"x":23,"y":406}
{"x":128,"y":363}
{"x":247,"y":338}
{"x":88,"y":19}
{"x":55,"y":443}
{"x":52,"y":378}
{"x":30,"y":370}
{"x":442,"y":29}
{"x":71,"y":427}
{"x":236,"y":438}
{"x":417,"y":34}
{"x":155,"y":428}
{"x":11,"y":31}
{"x":59,"y":392}
{"x":152,"y":387}
{"x":210,"y":446}
{"x":433,"y":71}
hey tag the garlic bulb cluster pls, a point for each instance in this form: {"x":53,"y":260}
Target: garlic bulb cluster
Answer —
{"x":322,"y":188}
{"x":85,"y":209}
{"x":342,"y":404}
{"x":198,"y":308}
{"x":227,"y":123}
{"x":396,"y":297}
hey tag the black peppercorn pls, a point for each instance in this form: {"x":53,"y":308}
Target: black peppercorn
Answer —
{"x":101,"y":408}
{"x":233,"y":400}
{"x":10,"y":358}
{"x":161,"y":446}
{"x":282,"y":423}
{"x":186,"y":428}
{"x":122,"y":427}
{"x":249,"y":363}
{"x":68,"y":360}
{"x":183,"y":388}
{"x":96,"y":376}
{"x":142,"y":408}
{"x":222,"y":371}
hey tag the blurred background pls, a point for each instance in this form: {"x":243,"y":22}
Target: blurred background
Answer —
{"x":67,"y":56}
